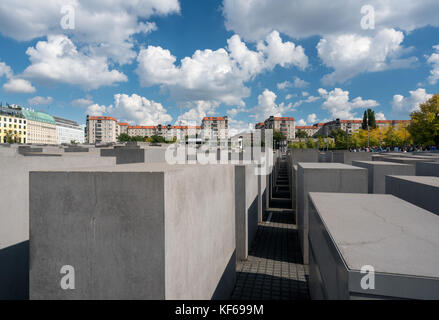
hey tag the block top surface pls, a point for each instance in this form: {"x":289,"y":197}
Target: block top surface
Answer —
{"x":406,"y":158}
{"x":383,"y":231}
{"x":135,"y":167}
{"x":432,"y":181}
{"x":325,"y":165}
{"x":382,"y":163}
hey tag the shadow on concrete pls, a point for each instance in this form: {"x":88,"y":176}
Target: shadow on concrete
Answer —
{"x":258,"y":286}
{"x":279,"y":244}
{"x":280,"y":217}
{"x":227,"y":280}
{"x":14,"y":272}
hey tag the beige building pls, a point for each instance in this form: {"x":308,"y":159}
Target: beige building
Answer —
{"x":41,"y":127}
{"x":393,"y":123}
{"x":310,"y":130}
{"x":215,"y":127}
{"x":101,"y":129}
{"x":12,"y":125}
{"x":143,"y":131}
{"x":286,"y":125}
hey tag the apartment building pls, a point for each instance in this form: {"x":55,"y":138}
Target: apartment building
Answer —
{"x":215,"y":127}
{"x":393,"y":123}
{"x":101,"y":129}
{"x":41,"y":127}
{"x":123,"y":127}
{"x":286,"y":125}
{"x":12,"y":124}
{"x":143,"y":131}
{"x":68,"y":130}
{"x":310,"y":130}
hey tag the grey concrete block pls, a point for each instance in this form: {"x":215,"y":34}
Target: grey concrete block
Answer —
{"x":14,"y":214}
{"x":347,"y":157}
{"x":262,"y":196}
{"x":134,"y":232}
{"x":76,"y":149}
{"x":377,"y":171}
{"x":324,"y":177}
{"x":405,"y":160}
{"x":396,"y":238}
{"x":427,"y":169}
{"x":129,"y":155}
{"x":246,"y":208}
{"x":304,"y":155}
{"x":420,"y":191}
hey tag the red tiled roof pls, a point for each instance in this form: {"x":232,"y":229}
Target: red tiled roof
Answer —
{"x":283,"y":118}
{"x":102,"y":118}
{"x":142,"y":127}
{"x":305,"y":127}
{"x":213,"y":118}
{"x":124,"y":124}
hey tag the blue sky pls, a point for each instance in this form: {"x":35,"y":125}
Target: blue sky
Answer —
{"x":167,"y":61}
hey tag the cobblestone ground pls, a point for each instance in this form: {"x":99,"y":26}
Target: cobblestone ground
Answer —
{"x":274,"y":269}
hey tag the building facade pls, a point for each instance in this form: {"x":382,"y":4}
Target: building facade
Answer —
{"x":13,"y":125}
{"x":215,"y":127}
{"x":286,"y":125}
{"x":310,"y":130}
{"x":68,"y":131}
{"x":41,"y":127}
{"x":101,"y":129}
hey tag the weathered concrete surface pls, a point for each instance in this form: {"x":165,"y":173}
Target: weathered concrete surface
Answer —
{"x":323,"y":177}
{"x":347,"y":157}
{"x":246,"y":207}
{"x":14,"y":214}
{"x":262,"y":196}
{"x":349,"y":231}
{"x":377,"y":171}
{"x":304,"y":155}
{"x":427,"y":169}
{"x":325,"y":156}
{"x":421,"y":191}
{"x":127,"y":155}
{"x":405,"y":160}
{"x":134,"y":232}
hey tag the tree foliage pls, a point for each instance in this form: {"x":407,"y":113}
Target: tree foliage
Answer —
{"x":424,"y":127}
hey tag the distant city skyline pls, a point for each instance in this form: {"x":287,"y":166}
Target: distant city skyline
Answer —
{"x":173,"y":61}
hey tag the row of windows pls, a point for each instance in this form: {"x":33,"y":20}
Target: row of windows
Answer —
{"x":15,"y":120}
{"x":15,"y":131}
{"x":15,"y":126}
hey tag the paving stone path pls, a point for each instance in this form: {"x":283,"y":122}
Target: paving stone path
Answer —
{"x":274,"y":268}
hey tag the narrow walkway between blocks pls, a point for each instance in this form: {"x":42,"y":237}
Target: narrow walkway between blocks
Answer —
{"x":274,"y":268}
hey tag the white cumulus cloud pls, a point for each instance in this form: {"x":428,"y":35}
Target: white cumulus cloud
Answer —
{"x":58,"y":60}
{"x":216,"y":76}
{"x":410,"y":103}
{"x":351,"y":54}
{"x":139,"y":110}
{"x":434,"y":61}
{"x":339,"y":105}
{"x":39,"y":100}
{"x":104,"y":28}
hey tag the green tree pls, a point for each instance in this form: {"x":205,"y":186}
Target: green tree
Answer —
{"x":301,"y":134}
{"x":123,"y":137}
{"x":364,"y":124}
{"x":278,"y":136}
{"x":340,"y":138}
{"x":10,"y":137}
{"x":424,"y":127}
{"x":372,"y":121}
{"x":369,"y":113}
{"x":310,"y":143}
